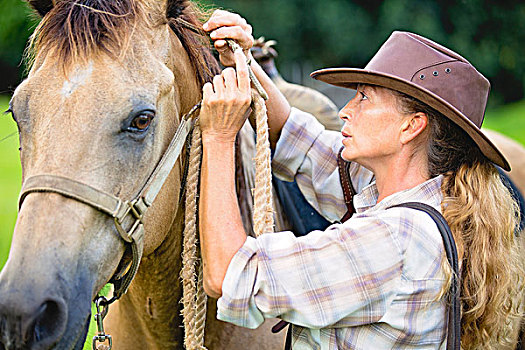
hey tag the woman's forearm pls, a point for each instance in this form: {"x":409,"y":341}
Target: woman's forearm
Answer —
{"x":221,"y":229}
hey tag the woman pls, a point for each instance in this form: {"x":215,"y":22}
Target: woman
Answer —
{"x":412,"y":133}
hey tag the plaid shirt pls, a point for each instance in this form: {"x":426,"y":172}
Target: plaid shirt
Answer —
{"x":369,"y":283}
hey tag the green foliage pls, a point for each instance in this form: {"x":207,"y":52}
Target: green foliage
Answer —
{"x":348,"y":32}
{"x":17,"y":23}
{"x":508,"y":120}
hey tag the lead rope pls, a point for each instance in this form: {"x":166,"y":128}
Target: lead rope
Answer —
{"x":194,"y":298}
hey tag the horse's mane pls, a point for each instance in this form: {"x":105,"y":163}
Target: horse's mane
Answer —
{"x":76,"y":30}
{"x":195,"y":43}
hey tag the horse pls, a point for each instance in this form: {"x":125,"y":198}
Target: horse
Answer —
{"x":514,"y":152}
{"x":108,"y":85}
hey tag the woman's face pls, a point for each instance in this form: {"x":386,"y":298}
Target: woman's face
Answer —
{"x":372,"y":126}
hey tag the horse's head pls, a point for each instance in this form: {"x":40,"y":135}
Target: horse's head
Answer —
{"x":108,"y":84}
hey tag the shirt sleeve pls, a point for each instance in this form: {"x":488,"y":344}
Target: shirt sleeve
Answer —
{"x":307,"y":153}
{"x":344,"y":276}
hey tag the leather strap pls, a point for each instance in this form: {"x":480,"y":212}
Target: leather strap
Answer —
{"x":100,"y":200}
{"x":346,"y":184}
{"x":126,"y":214}
{"x":454,"y":311}
{"x":160,"y":174}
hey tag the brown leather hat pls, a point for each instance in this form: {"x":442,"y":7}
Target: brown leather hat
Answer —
{"x":433,"y":74}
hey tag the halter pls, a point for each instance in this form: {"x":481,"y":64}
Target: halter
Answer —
{"x":127,"y":215}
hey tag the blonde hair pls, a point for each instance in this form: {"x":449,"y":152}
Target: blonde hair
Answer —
{"x":483,"y":217}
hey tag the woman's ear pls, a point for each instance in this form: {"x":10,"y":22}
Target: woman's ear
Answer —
{"x":413,"y":126}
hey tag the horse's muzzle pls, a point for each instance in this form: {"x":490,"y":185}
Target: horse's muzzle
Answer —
{"x":31,"y":324}
{"x":48,"y":283}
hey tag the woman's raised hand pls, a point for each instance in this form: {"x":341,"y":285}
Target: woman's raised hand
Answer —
{"x":226,"y":25}
{"x":225,"y":103}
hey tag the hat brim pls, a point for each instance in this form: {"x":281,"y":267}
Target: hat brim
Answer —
{"x":350,"y":77}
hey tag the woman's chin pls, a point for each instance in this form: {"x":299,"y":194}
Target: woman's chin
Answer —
{"x":347,"y":154}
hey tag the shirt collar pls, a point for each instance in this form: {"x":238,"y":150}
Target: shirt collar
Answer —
{"x":428,"y":192}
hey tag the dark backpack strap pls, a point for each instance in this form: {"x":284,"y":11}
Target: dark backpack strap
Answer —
{"x":288,"y":342}
{"x":279,"y":327}
{"x":346,"y":184}
{"x":454,"y":312}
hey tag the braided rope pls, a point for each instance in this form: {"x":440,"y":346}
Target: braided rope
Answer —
{"x":200,"y":311}
{"x":194,"y":298}
{"x":263,"y":206}
{"x":189,"y":245}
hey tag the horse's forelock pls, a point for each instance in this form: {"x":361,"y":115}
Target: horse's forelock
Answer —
{"x":78,"y":29}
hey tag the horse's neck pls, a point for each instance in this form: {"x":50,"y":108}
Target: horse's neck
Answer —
{"x":148,"y":316}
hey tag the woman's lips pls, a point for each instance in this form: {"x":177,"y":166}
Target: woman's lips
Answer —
{"x":346,"y":138}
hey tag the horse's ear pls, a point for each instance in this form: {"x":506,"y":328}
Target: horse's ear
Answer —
{"x":42,"y":6}
{"x":175,"y":8}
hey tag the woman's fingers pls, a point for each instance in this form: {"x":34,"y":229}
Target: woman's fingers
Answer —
{"x":226,"y":100}
{"x":222,"y":18}
{"x":224,"y":25}
{"x":243,"y":77}
{"x":236,"y":33}
{"x":230,"y":80}
{"x":207,"y":91}
{"x":218,"y":85}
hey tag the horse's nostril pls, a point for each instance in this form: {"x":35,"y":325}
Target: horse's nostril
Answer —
{"x":50,"y":322}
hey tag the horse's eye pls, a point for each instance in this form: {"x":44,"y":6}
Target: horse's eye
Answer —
{"x":142,"y":121}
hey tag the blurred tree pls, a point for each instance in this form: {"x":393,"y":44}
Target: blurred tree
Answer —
{"x":349,"y":32}
{"x":16,"y":24}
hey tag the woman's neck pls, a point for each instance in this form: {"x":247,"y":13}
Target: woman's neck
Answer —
{"x":400,"y":173}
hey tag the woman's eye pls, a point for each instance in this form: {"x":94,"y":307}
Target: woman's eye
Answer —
{"x":141,"y":122}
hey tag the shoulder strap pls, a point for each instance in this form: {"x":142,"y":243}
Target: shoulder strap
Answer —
{"x":346,"y":184}
{"x":454,"y":312}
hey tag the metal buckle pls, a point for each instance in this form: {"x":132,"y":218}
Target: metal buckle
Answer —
{"x":128,"y":235}
{"x":101,"y":336}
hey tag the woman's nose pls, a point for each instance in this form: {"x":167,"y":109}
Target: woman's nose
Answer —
{"x":346,"y":112}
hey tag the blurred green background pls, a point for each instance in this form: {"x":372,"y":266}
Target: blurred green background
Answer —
{"x":314,"y":34}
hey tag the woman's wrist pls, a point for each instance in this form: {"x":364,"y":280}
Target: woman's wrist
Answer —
{"x":211,"y":137}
